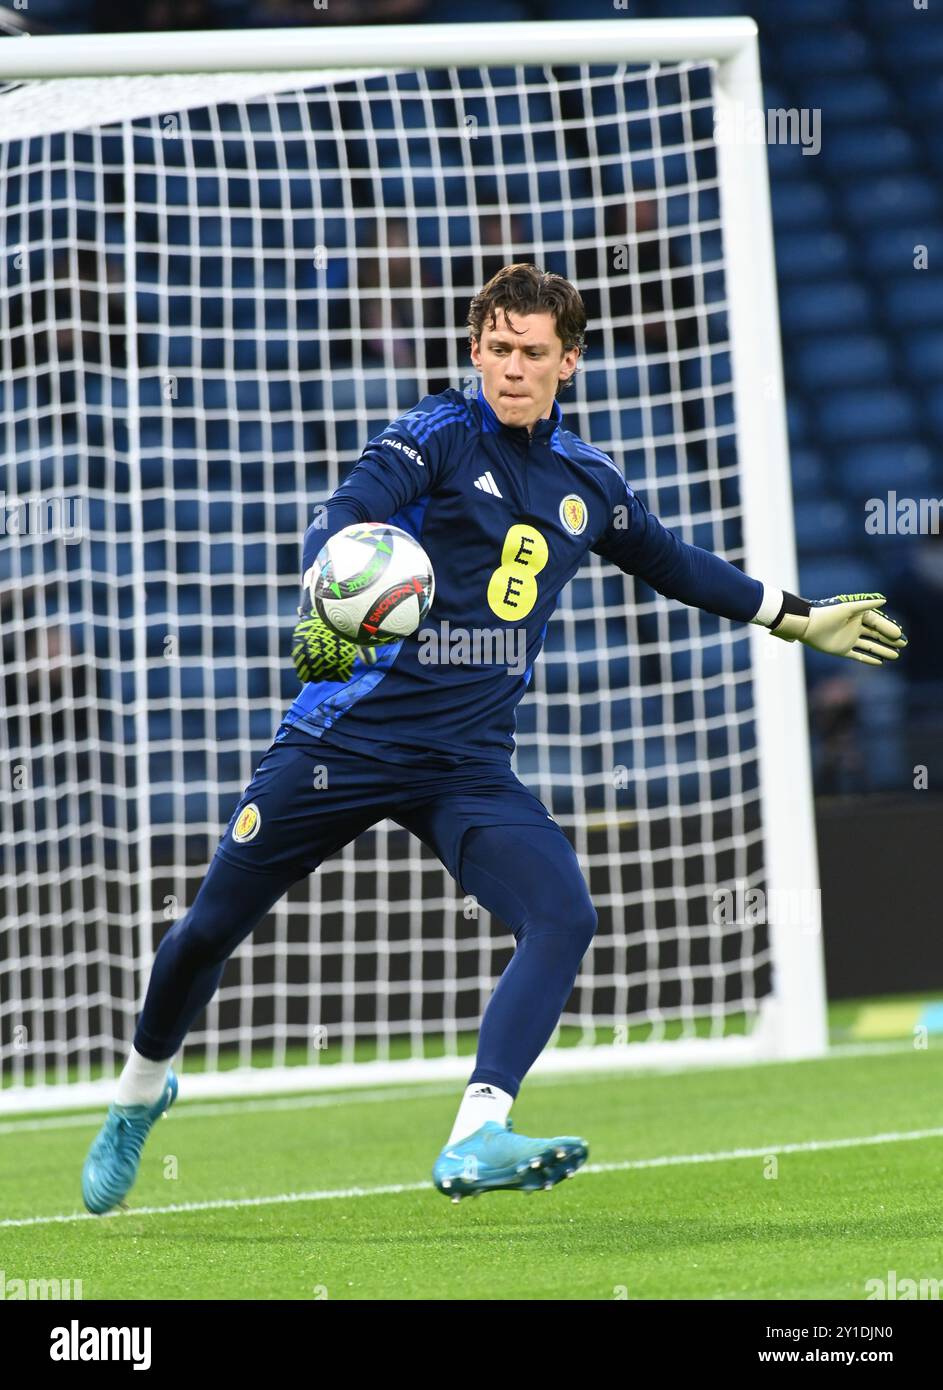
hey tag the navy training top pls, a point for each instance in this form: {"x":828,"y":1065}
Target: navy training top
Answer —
{"x":506,"y":518}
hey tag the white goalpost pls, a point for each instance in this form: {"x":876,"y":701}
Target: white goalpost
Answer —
{"x":228,"y":260}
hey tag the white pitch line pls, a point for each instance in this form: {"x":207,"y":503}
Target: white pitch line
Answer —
{"x":393,"y":1189}
{"x":803,"y":1147}
{"x":227,"y":1203}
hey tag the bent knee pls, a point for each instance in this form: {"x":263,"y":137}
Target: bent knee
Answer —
{"x":577,"y":920}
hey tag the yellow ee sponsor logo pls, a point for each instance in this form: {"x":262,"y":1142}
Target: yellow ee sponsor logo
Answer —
{"x":248,"y":825}
{"x":512,"y":589}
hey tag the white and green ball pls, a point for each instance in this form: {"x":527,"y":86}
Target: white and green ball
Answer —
{"x":372,"y":583}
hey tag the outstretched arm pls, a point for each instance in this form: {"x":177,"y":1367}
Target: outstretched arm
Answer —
{"x":845,"y":625}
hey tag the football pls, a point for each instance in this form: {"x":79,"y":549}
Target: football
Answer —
{"x":372,"y":584}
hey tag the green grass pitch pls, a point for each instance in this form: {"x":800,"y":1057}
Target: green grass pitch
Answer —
{"x":800,"y":1180}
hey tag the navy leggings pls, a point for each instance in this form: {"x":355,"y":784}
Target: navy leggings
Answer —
{"x":526,"y":874}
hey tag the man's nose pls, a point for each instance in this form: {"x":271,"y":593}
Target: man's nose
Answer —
{"x":515,"y":364}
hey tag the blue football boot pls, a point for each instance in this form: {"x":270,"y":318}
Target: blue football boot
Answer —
{"x":495,"y":1159}
{"x":113,"y":1159}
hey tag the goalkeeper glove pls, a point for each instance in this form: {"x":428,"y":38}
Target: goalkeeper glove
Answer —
{"x":846,"y":625}
{"x":319,"y":654}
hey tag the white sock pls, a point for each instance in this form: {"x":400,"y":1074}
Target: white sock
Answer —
{"x":480,"y":1103}
{"x":142,"y":1080}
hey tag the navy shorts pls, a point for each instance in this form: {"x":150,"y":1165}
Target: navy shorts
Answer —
{"x":308,"y":800}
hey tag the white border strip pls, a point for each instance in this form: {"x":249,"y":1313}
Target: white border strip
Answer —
{"x":261,"y":1081}
{"x":795,"y":1019}
{"x":638,"y":1059}
{"x":393,"y":46}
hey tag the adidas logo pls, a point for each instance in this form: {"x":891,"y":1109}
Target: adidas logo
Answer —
{"x":482,"y":1091}
{"x":488,"y":484}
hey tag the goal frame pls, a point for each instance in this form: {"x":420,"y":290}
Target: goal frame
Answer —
{"x":792,"y":1022}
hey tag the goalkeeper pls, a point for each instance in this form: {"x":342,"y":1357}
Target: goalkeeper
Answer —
{"x":506,"y":502}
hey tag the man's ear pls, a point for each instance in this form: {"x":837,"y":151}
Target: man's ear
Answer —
{"x":475,"y":352}
{"x":569,"y":364}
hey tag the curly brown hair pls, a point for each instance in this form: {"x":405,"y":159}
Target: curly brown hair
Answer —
{"x":524,"y":289}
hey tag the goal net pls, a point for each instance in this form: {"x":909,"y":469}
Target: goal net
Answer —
{"x":216,"y":289}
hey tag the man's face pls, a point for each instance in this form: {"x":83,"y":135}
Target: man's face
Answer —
{"x":521,"y":366}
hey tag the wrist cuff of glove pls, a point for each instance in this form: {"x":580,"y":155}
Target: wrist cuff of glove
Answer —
{"x":792,"y":619}
{"x":307,"y":592}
